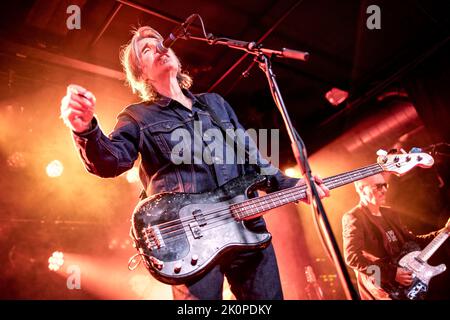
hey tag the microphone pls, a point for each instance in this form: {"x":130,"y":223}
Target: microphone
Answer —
{"x":163,"y":46}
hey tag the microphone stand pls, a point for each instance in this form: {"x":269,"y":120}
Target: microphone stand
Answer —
{"x":262,"y":57}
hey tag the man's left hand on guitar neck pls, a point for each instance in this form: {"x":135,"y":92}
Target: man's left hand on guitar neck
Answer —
{"x":320,"y":186}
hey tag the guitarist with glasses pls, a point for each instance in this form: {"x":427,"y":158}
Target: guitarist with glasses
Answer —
{"x":374,"y":239}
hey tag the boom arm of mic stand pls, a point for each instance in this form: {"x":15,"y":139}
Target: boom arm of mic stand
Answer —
{"x":252,"y":47}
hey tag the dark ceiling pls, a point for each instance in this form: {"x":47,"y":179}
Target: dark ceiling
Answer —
{"x":344,"y":52}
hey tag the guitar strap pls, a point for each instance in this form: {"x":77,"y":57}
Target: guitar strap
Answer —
{"x":227,"y":137}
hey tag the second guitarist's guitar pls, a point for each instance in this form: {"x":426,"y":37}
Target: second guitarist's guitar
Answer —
{"x":416,"y":262}
{"x":180,"y":236}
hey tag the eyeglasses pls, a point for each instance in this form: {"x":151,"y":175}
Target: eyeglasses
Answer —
{"x":379,"y":186}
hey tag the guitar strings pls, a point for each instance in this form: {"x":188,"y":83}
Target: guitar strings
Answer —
{"x":284,"y":192}
{"x":295,"y":191}
{"x":171,"y":236}
{"x":212,"y":225}
{"x":224,"y":214}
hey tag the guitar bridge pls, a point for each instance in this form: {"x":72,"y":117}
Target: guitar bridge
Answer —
{"x":153,"y":238}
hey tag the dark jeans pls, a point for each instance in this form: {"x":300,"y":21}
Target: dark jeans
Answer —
{"x":251,"y":275}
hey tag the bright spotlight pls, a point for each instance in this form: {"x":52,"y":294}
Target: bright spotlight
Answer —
{"x":54,"y":169}
{"x":56,"y":261}
{"x":133,"y":175}
{"x":293,"y":172}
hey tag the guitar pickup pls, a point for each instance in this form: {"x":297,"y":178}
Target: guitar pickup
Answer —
{"x":199,"y":217}
{"x":196,"y":231}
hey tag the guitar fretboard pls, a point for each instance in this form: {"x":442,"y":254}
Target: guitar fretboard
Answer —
{"x":431,"y":248}
{"x":253,"y":208}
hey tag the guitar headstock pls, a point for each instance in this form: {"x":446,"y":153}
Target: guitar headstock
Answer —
{"x":400,"y":163}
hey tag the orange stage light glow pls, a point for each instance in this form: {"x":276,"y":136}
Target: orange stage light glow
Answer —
{"x":107,"y":277}
{"x":56,"y":261}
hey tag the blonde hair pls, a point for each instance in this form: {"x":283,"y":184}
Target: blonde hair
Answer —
{"x":131,"y":62}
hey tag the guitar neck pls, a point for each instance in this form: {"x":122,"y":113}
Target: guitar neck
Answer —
{"x":253,"y":208}
{"x":431,"y":248}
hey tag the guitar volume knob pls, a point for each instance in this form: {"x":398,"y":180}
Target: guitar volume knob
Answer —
{"x":177,"y":267}
{"x":194,"y":259}
{"x":158,"y":264}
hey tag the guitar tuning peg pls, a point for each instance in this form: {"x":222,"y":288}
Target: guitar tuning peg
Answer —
{"x":415,"y":150}
{"x":382,"y":156}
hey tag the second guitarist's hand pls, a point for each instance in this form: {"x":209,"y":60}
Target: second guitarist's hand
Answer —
{"x":403,"y":276}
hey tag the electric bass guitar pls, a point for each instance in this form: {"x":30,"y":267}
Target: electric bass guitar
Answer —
{"x":180,"y":236}
{"x":416,"y":262}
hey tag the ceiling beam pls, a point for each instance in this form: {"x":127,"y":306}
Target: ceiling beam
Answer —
{"x":27,"y":52}
{"x":155,"y":13}
{"x":110,"y":18}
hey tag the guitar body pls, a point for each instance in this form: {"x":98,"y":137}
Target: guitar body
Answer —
{"x":422,"y":274}
{"x":181,"y":236}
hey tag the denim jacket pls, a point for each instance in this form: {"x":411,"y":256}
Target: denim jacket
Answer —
{"x":146,"y":129}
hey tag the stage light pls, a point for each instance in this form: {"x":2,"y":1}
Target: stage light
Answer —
{"x":56,"y":261}
{"x":55,"y":169}
{"x":133,"y":175}
{"x":293,"y":172}
{"x":336,"y":96}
